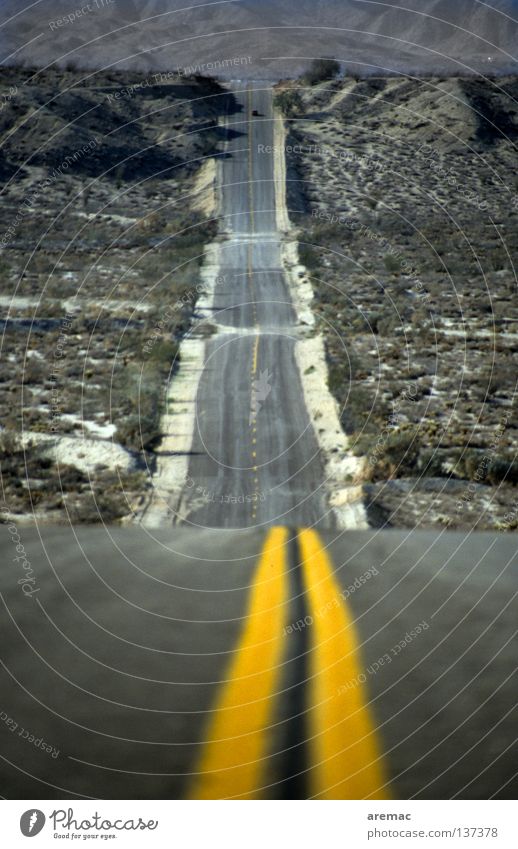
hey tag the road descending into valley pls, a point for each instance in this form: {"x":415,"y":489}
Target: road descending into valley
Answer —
{"x":255,"y":458}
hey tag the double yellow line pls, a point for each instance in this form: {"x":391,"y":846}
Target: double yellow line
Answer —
{"x":250,"y":164}
{"x":343,"y":755}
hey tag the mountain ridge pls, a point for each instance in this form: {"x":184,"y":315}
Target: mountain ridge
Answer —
{"x":280,"y":37}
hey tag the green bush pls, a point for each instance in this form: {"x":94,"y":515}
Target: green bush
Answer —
{"x":395,"y":456}
{"x":392,"y":264}
{"x":503,"y":470}
{"x":308,"y":256}
{"x":137,"y":432}
{"x":141,"y":395}
{"x":322,"y":70}
{"x":165,"y":352}
{"x":290,"y":103}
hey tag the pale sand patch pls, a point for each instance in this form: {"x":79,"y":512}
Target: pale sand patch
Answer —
{"x":301,"y":289}
{"x":204,"y":195}
{"x":82,"y":452}
{"x":279,"y":173}
{"x":75,"y":304}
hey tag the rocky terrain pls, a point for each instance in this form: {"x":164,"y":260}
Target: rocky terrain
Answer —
{"x":404,"y":193}
{"x":107,"y":194}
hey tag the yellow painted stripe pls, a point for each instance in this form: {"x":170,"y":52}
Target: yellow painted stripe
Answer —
{"x":235,"y":756}
{"x":255,"y":354}
{"x":250,"y":264}
{"x":250,"y":163}
{"x":250,"y":277}
{"x":251,"y":202}
{"x":345,"y":758}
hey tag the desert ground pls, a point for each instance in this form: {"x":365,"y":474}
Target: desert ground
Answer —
{"x":404,"y":197}
{"x":107,"y":204}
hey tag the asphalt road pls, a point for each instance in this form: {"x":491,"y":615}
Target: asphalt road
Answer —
{"x":255,"y":459}
{"x":251,"y":664}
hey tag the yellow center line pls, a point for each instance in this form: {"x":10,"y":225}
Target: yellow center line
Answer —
{"x":250,"y":267}
{"x":255,"y":355}
{"x":346,"y":760}
{"x":235,"y":757}
{"x":251,"y":201}
{"x":250,"y":164}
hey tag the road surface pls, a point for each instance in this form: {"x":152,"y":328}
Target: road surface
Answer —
{"x":255,"y":459}
{"x":257,"y":664}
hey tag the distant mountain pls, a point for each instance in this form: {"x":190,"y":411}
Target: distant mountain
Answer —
{"x":279,"y":36}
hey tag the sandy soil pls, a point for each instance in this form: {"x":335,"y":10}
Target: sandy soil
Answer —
{"x":102,"y":236}
{"x":403,"y":197}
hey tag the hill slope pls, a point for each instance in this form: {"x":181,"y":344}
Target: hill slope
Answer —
{"x":279,"y":36}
